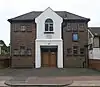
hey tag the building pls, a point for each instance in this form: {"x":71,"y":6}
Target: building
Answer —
{"x":4,"y":55}
{"x":49,"y":39}
{"x":94,"y":47}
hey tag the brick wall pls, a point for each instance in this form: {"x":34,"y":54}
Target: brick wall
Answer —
{"x":94,"y":64}
{"x":4,"y":61}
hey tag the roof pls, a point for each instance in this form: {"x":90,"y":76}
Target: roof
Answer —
{"x":95,"y":30}
{"x":32,"y":15}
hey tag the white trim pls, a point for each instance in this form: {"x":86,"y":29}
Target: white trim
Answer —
{"x":90,"y":33}
{"x":48,"y":39}
{"x":48,"y":43}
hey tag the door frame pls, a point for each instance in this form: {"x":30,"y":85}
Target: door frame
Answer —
{"x":49,"y":49}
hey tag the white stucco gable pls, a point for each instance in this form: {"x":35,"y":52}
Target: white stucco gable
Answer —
{"x":57,"y":22}
{"x":48,"y":13}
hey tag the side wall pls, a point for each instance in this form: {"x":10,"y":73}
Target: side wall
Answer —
{"x":25,"y":38}
{"x":75,"y":60}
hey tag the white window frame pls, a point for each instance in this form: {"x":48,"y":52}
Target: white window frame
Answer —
{"x":49,"y":25}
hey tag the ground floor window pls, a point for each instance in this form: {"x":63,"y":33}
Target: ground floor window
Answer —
{"x":75,"y":50}
{"x":16,"y":52}
{"x":82,"y":51}
{"x":69,"y":51}
{"x":29,"y":52}
{"x":22,"y":50}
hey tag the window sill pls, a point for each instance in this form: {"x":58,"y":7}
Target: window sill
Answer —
{"x":69,"y":54}
{"x":29,"y":55}
{"x":15,"y":55}
{"x":48,"y":32}
{"x":82,"y":55}
{"x":22,"y":55}
{"x":75,"y":30}
{"x":75,"y":40}
{"x":81,"y":30}
{"x":29,"y":31}
{"x":76,"y":55}
{"x":15,"y":31}
{"x":68,"y":30}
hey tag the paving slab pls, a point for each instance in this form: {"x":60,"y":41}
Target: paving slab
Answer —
{"x":85,"y":83}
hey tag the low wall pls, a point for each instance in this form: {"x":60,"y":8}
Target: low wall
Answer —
{"x":4,"y":61}
{"x":94,"y":64}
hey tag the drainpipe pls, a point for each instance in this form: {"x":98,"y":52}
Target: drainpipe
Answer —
{"x":86,"y":56}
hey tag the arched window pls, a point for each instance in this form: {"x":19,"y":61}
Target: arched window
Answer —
{"x":48,"y":25}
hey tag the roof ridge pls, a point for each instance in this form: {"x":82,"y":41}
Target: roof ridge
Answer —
{"x":33,"y":14}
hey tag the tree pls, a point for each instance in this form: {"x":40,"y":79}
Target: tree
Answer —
{"x":4,"y":48}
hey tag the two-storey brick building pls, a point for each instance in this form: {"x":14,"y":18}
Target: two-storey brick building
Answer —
{"x":49,"y":39}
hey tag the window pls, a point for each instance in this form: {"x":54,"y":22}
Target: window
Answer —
{"x":90,"y":47}
{"x":96,"y":42}
{"x":48,"y":25}
{"x":75,"y":50}
{"x":22,"y":28}
{"x":69,"y":51}
{"x":81,"y":27}
{"x":75,"y":29}
{"x":75,"y":36}
{"x":82,"y":51}
{"x":69,"y":27}
{"x":29,"y":52}
{"x":29,"y":28}
{"x":22,"y":50}
{"x":16,"y":28}
{"x":16,"y":52}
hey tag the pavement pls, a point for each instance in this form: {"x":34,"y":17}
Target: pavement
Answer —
{"x":49,"y":72}
{"x":51,"y":76}
{"x":57,"y":81}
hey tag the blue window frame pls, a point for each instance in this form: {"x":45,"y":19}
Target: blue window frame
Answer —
{"x":75,"y":36}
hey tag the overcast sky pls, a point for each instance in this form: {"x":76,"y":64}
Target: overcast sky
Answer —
{"x":13,"y":8}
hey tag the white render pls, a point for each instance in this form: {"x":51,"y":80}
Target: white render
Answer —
{"x":49,"y":43}
{"x":94,"y":54}
{"x":48,"y":39}
{"x":0,"y":47}
{"x":0,"y":50}
{"x":40,"y":20}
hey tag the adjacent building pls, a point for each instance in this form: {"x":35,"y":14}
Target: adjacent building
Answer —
{"x":49,"y":39}
{"x":94,"y":47}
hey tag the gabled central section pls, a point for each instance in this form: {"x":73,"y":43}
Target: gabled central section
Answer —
{"x":48,"y":22}
{"x":48,"y":36}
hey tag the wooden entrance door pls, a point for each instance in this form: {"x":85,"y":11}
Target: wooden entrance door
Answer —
{"x":48,"y":59}
{"x":45,"y":59}
{"x":53,"y":59}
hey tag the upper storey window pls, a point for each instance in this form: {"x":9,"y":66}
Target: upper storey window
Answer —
{"x":48,"y":25}
{"x":75,"y":36}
